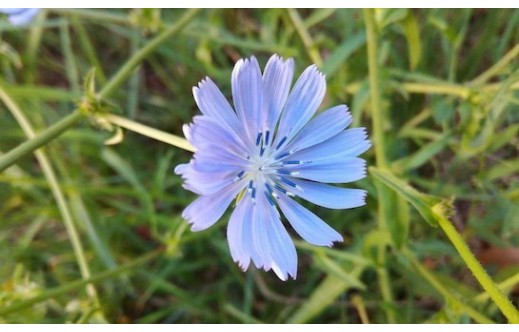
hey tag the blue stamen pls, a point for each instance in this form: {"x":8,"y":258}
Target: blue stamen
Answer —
{"x":279,"y":156}
{"x":278,"y":187}
{"x":292,"y":162}
{"x":269,"y":188}
{"x":283,"y":172}
{"x":267,"y":135}
{"x":269,"y":198}
{"x":281,"y":142}
{"x":238,"y":176}
{"x":262,"y":151}
{"x":290,"y":183}
{"x":258,"y":139}
{"x":253,"y":194}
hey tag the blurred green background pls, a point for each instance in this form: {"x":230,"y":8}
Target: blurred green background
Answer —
{"x":449,"y":85}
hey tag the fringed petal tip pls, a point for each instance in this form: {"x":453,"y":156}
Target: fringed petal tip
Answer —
{"x":180,"y":169}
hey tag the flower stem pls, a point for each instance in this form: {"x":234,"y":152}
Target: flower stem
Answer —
{"x":99,"y":15}
{"x":378,"y":134}
{"x":39,"y":140}
{"x":376,"y":105}
{"x":55,"y":188}
{"x":444,"y":89}
{"x":57,"y":129}
{"x":475,"y":267}
{"x":139,"y":56}
{"x":505,"y":285}
{"x":497,"y":67}
{"x":299,"y":25}
{"x":150,"y":132}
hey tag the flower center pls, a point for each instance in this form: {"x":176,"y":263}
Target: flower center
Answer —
{"x":268,"y":171}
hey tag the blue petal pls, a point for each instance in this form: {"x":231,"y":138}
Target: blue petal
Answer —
{"x":247,"y":94}
{"x":324,"y":126}
{"x":238,"y":236}
{"x":12,"y":11}
{"x":327,"y":196}
{"x":309,"y":226}
{"x":216,"y":159}
{"x":210,"y":170}
{"x":23,"y":17}
{"x":260,"y":237}
{"x":349,"y":143}
{"x":212,"y":103}
{"x":305,"y":98}
{"x":277,"y":80}
{"x":206,"y":132}
{"x":203,"y":180}
{"x":283,"y":251}
{"x":207,"y":209}
{"x":332,"y":170}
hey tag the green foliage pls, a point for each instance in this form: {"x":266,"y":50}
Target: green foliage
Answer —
{"x":92,"y":233}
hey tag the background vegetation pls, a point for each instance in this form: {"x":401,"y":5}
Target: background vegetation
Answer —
{"x":445,"y":120}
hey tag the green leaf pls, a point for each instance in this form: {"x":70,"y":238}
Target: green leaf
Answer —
{"x":503,"y":137}
{"x":341,"y":54}
{"x":401,"y":235}
{"x":510,"y":222}
{"x":331,"y":267}
{"x":148,"y":19}
{"x":89,"y":84}
{"x":387,"y":16}
{"x":428,"y":206}
{"x":412,"y":34}
{"x":10,"y":53}
{"x":126,"y":171}
{"x":372,"y":241}
{"x":397,"y":220}
{"x":117,"y":137}
{"x":503,"y":168}
{"x":323,"y":296}
{"x":423,"y":155}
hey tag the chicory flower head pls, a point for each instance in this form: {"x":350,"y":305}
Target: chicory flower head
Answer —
{"x":20,"y":16}
{"x":267,"y":152}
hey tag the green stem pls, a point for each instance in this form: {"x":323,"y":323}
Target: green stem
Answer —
{"x":378,"y":135}
{"x":376,"y":105}
{"x":70,"y":65}
{"x":445,"y":89}
{"x":150,"y":132}
{"x":39,"y":140}
{"x":298,"y":23}
{"x":33,"y":44}
{"x":88,"y":49}
{"x":133,"y":84}
{"x":505,"y":285}
{"x":139,"y":56}
{"x":497,"y":67}
{"x":91,"y":14}
{"x":63,"y":207}
{"x":79,"y":283}
{"x":357,"y":302}
{"x":57,"y":129}
{"x":481,"y":275}
{"x":496,"y":86}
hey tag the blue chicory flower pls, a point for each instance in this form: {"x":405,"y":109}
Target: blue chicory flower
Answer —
{"x":20,"y":16}
{"x":269,"y":151}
